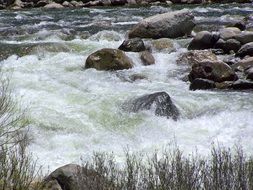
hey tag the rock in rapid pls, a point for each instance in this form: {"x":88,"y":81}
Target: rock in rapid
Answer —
{"x":159,"y":101}
{"x":108,"y":59}
{"x":167,"y":25}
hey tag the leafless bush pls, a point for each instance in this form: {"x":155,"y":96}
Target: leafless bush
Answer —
{"x":17,"y":168}
{"x":222,"y":169}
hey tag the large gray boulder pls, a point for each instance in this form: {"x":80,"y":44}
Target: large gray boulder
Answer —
{"x":159,"y":101}
{"x":108,"y":59}
{"x":203,"y":40}
{"x":217,"y":71}
{"x":167,"y":25}
{"x":245,"y":37}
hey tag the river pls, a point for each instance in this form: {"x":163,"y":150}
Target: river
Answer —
{"x":74,"y":112}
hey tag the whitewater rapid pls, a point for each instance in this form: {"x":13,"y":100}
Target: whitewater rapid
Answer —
{"x":74,"y":112}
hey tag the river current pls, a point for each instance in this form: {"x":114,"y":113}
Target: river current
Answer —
{"x":74,"y":112}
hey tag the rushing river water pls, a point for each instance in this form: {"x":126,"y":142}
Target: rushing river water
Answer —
{"x":74,"y":112}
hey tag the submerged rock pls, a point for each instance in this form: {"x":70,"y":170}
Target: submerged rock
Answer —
{"x":163,"y":44}
{"x":108,"y":59}
{"x":160,"y":102}
{"x":242,"y":85}
{"x":167,"y":25}
{"x":134,"y":45}
{"x":147,"y":58}
{"x":217,"y":71}
{"x":203,"y":40}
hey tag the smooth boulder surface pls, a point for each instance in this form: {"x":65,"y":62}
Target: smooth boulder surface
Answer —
{"x":108,"y":59}
{"x":217,"y":71}
{"x":203,"y":40}
{"x":167,"y":25}
{"x":134,"y":45}
{"x":159,"y":101}
{"x":229,"y":32}
{"x":246,"y":49}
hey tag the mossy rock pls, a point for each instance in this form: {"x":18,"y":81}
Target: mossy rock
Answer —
{"x":108,"y":59}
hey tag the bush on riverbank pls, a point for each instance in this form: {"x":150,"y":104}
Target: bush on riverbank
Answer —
{"x":17,"y":168}
{"x":221,"y":170}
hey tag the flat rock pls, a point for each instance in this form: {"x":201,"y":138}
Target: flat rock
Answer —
{"x":167,"y":25}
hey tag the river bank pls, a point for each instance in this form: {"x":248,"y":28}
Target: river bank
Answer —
{"x":48,"y":4}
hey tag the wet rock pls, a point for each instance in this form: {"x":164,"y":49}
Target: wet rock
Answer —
{"x":245,"y":37}
{"x":167,"y":25}
{"x":243,"y":64}
{"x":163,"y":44}
{"x":246,"y":49}
{"x":66,"y":176}
{"x":77,"y":4}
{"x":228,"y":46}
{"x":242,"y":85}
{"x":249,"y":73}
{"x":108,"y":59}
{"x":198,"y":84}
{"x":53,"y":6}
{"x":229,"y":33}
{"x":203,"y":40}
{"x":196,"y":56}
{"x":217,"y":71}
{"x":67,"y":4}
{"x":134,"y":45}
{"x":147,"y":58}
{"x":160,"y":102}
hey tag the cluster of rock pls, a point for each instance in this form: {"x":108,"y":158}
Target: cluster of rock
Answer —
{"x":18,"y":4}
{"x":234,"y":71}
{"x":157,"y":29}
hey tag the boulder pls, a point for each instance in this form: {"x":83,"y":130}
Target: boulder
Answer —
{"x":243,"y":64}
{"x":134,"y":45}
{"x":216,"y":71}
{"x":196,"y":56}
{"x":53,"y":6}
{"x":245,"y":37}
{"x":66,"y":176}
{"x":224,"y":85}
{"x":147,"y":58}
{"x":229,"y":32}
{"x":51,"y":185}
{"x":118,"y":2}
{"x":228,"y":46}
{"x":203,"y":40}
{"x":163,"y":44}
{"x":167,"y":25}
{"x":108,"y":59}
{"x":246,"y":49}
{"x":240,"y":24}
{"x":198,"y":84}
{"x":160,"y":102}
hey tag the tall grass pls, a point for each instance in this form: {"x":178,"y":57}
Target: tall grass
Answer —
{"x":223,"y":169}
